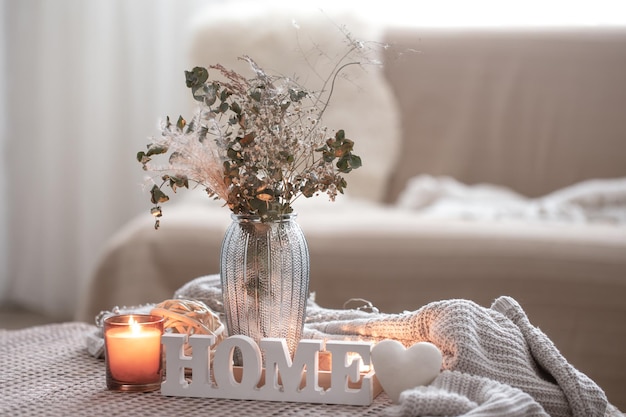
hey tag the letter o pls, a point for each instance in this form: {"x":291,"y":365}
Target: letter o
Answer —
{"x":223,"y":363}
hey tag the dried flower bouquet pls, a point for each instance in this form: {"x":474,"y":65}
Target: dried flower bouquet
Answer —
{"x":256,"y":143}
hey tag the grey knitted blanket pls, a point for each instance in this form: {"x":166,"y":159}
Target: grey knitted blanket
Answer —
{"x":495,"y":362}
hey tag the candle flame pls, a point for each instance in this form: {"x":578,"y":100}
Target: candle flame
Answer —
{"x":135,"y":328}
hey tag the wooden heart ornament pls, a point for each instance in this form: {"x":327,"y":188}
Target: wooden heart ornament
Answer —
{"x":398,"y":368}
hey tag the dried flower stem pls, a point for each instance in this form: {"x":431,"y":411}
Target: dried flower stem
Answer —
{"x":257,"y":143}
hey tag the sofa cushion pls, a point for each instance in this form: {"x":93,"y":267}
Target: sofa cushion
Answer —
{"x":593,"y":201}
{"x":533,"y":109}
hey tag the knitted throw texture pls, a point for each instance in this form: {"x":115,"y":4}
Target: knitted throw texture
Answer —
{"x":495,"y":362}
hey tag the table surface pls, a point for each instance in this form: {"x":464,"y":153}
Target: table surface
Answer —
{"x":47,"y":371}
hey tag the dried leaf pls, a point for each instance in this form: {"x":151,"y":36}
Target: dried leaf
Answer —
{"x":247,"y":139}
{"x":196,"y":76}
{"x":158,"y":196}
{"x":155,"y":149}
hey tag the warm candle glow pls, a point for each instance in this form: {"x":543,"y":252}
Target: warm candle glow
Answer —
{"x":133,"y":351}
{"x":135,"y":328}
{"x":352,"y":356}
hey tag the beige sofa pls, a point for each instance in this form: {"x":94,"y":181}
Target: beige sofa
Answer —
{"x":532,"y":114}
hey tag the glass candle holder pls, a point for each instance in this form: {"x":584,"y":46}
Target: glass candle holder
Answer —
{"x":133,"y":352}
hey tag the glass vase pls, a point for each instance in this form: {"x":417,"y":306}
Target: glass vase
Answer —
{"x":264,"y":270}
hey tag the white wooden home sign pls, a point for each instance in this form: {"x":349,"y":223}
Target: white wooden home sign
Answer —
{"x":278,"y":379}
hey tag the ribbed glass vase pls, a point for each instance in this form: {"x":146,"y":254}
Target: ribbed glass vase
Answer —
{"x":264,"y":271}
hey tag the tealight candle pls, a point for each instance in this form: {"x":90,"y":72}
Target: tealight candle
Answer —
{"x":133,"y":352}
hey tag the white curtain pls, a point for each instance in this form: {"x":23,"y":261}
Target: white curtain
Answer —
{"x":83,"y":84}
{"x":3,"y":171}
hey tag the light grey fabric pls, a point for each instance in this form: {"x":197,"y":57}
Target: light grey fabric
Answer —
{"x":591,"y":201}
{"x":458,"y":394}
{"x":500,"y":362}
{"x":584,"y":397}
{"x":483,"y":342}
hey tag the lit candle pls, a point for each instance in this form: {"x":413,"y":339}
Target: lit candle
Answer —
{"x":133,"y":352}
